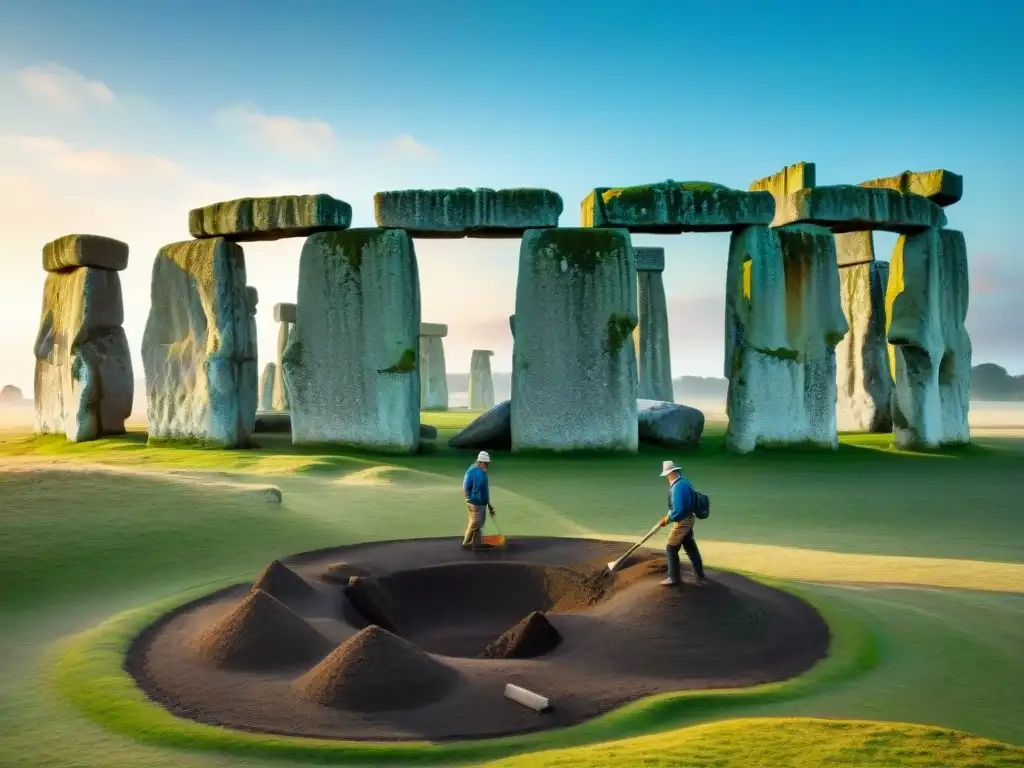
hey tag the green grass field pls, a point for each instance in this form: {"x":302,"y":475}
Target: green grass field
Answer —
{"x":916,"y":556}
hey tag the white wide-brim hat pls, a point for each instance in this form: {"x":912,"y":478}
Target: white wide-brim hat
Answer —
{"x":667,"y":467}
{"x":484,"y":456}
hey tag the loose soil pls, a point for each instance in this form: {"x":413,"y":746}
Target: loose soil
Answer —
{"x":459,"y":625}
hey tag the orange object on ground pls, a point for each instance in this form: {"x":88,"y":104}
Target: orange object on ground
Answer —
{"x":495,"y":541}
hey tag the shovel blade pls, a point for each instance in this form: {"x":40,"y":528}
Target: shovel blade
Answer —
{"x":613,"y":566}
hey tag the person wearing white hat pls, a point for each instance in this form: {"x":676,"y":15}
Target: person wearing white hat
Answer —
{"x":682,"y":503}
{"x":478,"y":500}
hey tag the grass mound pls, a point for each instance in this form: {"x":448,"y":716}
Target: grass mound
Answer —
{"x":259,"y":633}
{"x":280,"y":581}
{"x":533,"y":636}
{"x":375,"y":670}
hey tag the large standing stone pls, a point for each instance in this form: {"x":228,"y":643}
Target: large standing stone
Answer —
{"x":460,"y":212}
{"x":672,"y":207}
{"x":654,"y":362}
{"x":267,"y":387}
{"x":863,"y":377}
{"x":574,"y":368}
{"x":250,"y":384}
{"x":284,"y":315}
{"x":84,"y":384}
{"x":270,"y":218}
{"x":940,"y":186}
{"x":433,"y":372}
{"x":196,"y":349}
{"x":783,"y":320}
{"x":926,"y":304}
{"x":351,"y":363}
{"x":853,"y":208}
{"x":481,"y":383}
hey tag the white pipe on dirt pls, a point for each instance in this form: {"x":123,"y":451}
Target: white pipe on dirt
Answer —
{"x":526,"y":698}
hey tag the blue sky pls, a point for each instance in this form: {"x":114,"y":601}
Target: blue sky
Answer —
{"x":117,"y":117}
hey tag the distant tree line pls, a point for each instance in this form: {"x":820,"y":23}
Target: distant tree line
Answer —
{"x":992,"y":382}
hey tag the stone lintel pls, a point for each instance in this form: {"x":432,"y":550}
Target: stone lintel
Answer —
{"x":940,"y":186}
{"x":649,"y":259}
{"x":433,"y":329}
{"x":71,"y":251}
{"x":270,"y":218}
{"x":463,"y":212}
{"x":284,"y":313}
{"x":800,"y":175}
{"x":853,"y":208}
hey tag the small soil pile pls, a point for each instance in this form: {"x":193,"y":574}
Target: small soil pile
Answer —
{"x":375,"y":670}
{"x":280,"y":581}
{"x":260,"y":632}
{"x":533,"y":636}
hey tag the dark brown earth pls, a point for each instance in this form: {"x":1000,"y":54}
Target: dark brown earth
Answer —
{"x":244,"y":659}
{"x":533,"y":636}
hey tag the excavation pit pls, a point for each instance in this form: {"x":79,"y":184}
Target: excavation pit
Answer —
{"x":422,"y":641}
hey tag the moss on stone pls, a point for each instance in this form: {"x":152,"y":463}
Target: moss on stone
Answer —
{"x":619,"y":328}
{"x":780,"y":354}
{"x":581,"y":247}
{"x":406,"y":363}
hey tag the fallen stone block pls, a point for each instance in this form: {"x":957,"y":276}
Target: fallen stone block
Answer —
{"x":481,"y":382}
{"x":490,"y":431}
{"x":926,"y":306}
{"x":428,"y":432}
{"x":672,"y":207}
{"x":863,"y":377}
{"x":851,"y":208}
{"x":462,"y":212}
{"x":940,"y":186}
{"x":284,"y":313}
{"x":196,"y":348}
{"x":73,"y":251}
{"x":783,"y":321}
{"x":351,"y":362}
{"x":787,"y":181}
{"x":84,"y":384}
{"x":668,"y":424}
{"x":574,"y":373}
{"x":270,"y":218}
{"x":854,"y":248}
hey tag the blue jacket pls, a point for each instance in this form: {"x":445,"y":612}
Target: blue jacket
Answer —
{"x":475,"y":486}
{"x":681,"y":500}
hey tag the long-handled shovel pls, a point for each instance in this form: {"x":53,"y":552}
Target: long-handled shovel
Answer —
{"x":615,"y":565}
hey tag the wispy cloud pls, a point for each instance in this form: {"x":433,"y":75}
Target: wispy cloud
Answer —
{"x":62,"y":88}
{"x":280,"y":133}
{"x":62,"y":157}
{"x":407,"y":145}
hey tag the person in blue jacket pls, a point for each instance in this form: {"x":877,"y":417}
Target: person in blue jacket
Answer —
{"x":681,"y":502}
{"x":478,"y":500}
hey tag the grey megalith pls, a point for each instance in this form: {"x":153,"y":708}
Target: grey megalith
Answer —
{"x":351,"y":363}
{"x":284,"y":315}
{"x":433,"y":369}
{"x":267,"y":387}
{"x":270,"y":218}
{"x":196,"y":348}
{"x":863,"y":378}
{"x":481,"y":382}
{"x":654,"y":364}
{"x":574,"y":366}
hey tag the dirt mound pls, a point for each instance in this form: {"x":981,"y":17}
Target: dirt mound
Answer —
{"x":280,"y":581}
{"x":260,"y":632}
{"x":373,"y":603}
{"x":533,"y":636}
{"x":375,"y":670}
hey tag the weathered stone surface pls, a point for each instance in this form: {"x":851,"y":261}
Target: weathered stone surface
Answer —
{"x":250,"y":382}
{"x":73,"y":251}
{"x":351,"y":364}
{"x":926,"y":305}
{"x":669,"y":424}
{"x":863,"y":378}
{"x":649,"y":259}
{"x":84,"y":384}
{"x":279,"y":397}
{"x":672,"y":207}
{"x":783,"y":320}
{"x":940,"y":186}
{"x":433,"y":329}
{"x":270,"y":218}
{"x":481,"y":383}
{"x":463,"y":212}
{"x":850,"y":208}
{"x":490,"y":431}
{"x":267,"y":387}
{"x":787,"y":181}
{"x":654,"y":362}
{"x":196,"y":349}
{"x":284,"y":313}
{"x":428,"y":432}
{"x":855,"y":248}
{"x":574,"y":368}
{"x":433,"y":374}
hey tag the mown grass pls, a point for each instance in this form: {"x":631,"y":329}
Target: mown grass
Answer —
{"x":78,"y":545}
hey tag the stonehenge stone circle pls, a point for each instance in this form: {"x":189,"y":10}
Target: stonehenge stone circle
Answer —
{"x":270,"y":218}
{"x":864,"y":380}
{"x":651,"y":336}
{"x":267,"y":387}
{"x":284,"y":315}
{"x":574,"y":366}
{"x":351,"y":363}
{"x":84,"y":384}
{"x":196,"y":350}
{"x":927,"y":302}
{"x":455,"y":213}
{"x":433,"y":372}
{"x":481,"y":383}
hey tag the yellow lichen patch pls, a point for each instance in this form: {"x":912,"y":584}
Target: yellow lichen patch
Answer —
{"x":747,"y":270}
{"x":894,"y":289}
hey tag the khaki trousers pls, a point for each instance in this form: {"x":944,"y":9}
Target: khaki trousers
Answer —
{"x":679,"y":531}
{"x":477,"y":516}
